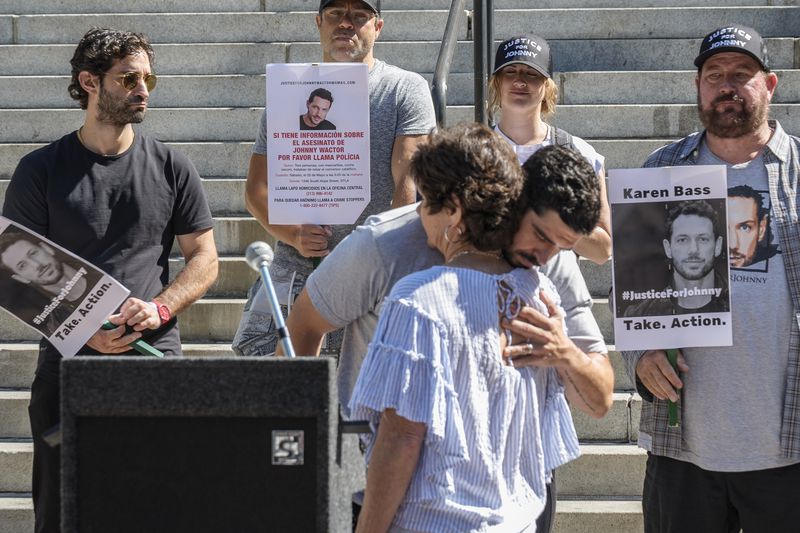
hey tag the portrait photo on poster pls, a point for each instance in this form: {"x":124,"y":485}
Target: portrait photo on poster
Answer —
{"x":751,"y":241}
{"x":52,"y":290}
{"x":672,"y":258}
{"x":317,"y":107}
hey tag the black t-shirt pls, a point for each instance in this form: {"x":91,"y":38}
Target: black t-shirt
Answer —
{"x":120,"y":213}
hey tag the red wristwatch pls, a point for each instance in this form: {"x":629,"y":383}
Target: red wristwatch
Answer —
{"x":163,"y":312}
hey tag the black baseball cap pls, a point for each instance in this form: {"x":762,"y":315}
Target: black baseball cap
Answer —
{"x":530,"y":50}
{"x":733,"y":38}
{"x":375,"y":5}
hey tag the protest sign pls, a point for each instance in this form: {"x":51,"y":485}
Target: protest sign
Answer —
{"x":53,"y":290}
{"x":317,"y":143}
{"x":670,"y":264}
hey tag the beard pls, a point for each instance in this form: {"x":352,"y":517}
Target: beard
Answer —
{"x":117,"y":111}
{"x":693,"y":275}
{"x":731,"y":124}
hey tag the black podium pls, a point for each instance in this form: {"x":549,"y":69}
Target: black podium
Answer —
{"x":204,"y":445}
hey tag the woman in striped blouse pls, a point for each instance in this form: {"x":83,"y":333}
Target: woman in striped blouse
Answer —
{"x":462,"y":440}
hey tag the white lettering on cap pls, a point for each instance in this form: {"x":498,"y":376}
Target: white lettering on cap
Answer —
{"x":730,"y":42}
{"x":724,"y":33}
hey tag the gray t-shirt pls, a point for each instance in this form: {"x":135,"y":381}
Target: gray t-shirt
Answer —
{"x":733,"y":396}
{"x":348,"y":288}
{"x":399,"y":104}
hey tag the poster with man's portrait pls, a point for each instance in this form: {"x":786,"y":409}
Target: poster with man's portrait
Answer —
{"x":52,"y":290}
{"x":318,"y":142}
{"x":670,"y":264}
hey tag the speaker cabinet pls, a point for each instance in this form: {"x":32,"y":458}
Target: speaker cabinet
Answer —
{"x":204,"y":445}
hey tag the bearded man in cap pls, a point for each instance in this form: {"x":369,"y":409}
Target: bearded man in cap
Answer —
{"x":401,"y":116}
{"x":734,"y":461}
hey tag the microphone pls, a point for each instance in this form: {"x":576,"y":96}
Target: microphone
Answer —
{"x":259,"y":257}
{"x":259,"y":253}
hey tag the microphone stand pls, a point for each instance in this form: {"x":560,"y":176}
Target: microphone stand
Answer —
{"x":277,"y":316}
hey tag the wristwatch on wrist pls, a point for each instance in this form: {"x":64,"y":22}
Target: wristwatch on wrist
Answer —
{"x":163,"y":312}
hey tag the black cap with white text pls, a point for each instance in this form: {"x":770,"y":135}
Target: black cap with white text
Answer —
{"x":529,"y":50}
{"x":733,"y":38}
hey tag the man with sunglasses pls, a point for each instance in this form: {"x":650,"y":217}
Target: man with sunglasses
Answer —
{"x":119,"y":200}
{"x":401,"y":115}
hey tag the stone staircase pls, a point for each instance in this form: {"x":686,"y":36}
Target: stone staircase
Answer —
{"x":624,"y":70}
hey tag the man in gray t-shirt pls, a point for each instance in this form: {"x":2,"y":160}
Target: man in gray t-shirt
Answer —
{"x":401,"y":115}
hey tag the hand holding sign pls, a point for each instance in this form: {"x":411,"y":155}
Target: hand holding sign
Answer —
{"x":312,"y":240}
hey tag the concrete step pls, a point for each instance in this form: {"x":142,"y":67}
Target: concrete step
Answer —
{"x":572,"y":516}
{"x":16,"y":513}
{"x":622,"y":383}
{"x":18,"y":363}
{"x":604,"y":469}
{"x":598,"y":516}
{"x":223,"y":161}
{"x":569,"y":55}
{"x":213,"y":160}
{"x":602,"y":23}
{"x":225,"y":196}
{"x":236,"y":90}
{"x":18,"y":360}
{"x":616,"y":426}
{"x":620,"y":425}
{"x":647,"y":121}
{"x":14,"y":414}
{"x":24,"y":7}
{"x":16,"y":463}
{"x":211,"y":27}
{"x":637,"y":23}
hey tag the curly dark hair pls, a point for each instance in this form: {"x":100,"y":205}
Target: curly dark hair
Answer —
{"x":96,"y":53}
{"x":561,"y":179}
{"x":471,"y":163}
{"x":700,"y":208}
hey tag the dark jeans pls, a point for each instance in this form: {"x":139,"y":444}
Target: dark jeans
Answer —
{"x":680,"y":497}
{"x":44,"y":413}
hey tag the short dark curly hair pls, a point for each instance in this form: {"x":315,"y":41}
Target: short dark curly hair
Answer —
{"x":471,"y":163}
{"x":561,"y":179}
{"x":96,"y":53}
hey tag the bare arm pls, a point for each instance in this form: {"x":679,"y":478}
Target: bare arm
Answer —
{"x":402,"y":150}
{"x":596,"y":246}
{"x":310,"y":240}
{"x":306,"y":327}
{"x":394,"y":458}
{"x":197,"y":275}
{"x":588,"y":377}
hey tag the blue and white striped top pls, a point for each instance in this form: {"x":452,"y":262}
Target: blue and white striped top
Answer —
{"x":493,"y":431}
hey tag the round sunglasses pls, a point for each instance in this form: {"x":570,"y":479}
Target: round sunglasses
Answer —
{"x":130,"y":80}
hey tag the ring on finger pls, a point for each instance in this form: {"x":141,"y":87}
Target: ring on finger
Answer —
{"x":529,"y":348}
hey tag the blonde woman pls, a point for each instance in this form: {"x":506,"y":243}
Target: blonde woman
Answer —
{"x":522,"y":95}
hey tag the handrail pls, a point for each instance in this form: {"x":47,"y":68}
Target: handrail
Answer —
{"x":483,"y":42}
{"x":443,"y":62}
